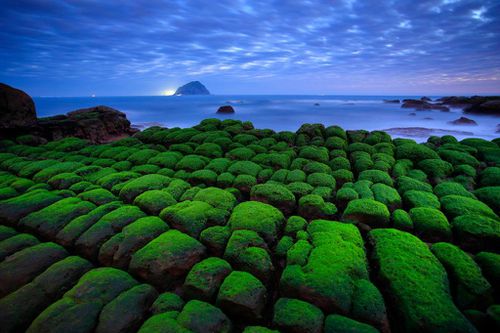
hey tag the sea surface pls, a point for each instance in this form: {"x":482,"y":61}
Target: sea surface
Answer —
{"x":282,"y":112}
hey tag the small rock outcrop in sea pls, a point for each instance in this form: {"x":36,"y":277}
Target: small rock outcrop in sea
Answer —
{"x":226,"y":109}
{"x":392,"y":101}
{"x":474,"y":104}
{"x":426,"y":99}
{"x":192,"y":88}
{"x":489,"y":107}
{"x":17,"y":108}
{"x":316,"y":104}
{"x":421,"y":105}
{"x":412,"y":114}
{"x":463,"y":121}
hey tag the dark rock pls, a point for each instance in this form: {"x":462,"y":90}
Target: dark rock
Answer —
{"x":392,"y":101}
{"x":192,"y":88}
{"x":316,"y":104}
{"x":426,"y":99}
{"x":226,"y":109}
{"x":428,"y":118}
{"x":463,"y":121}
{"x":498,"y":128}
{"x":422,"y":105}
{"x":412,"y":114}
{"x":489,"y":107}
{"x":17,"y":109}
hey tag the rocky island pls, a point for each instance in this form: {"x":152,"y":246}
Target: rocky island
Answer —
{"x":192,"y":88}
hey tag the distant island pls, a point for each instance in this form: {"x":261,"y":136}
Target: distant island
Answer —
{"x":192,"y":88}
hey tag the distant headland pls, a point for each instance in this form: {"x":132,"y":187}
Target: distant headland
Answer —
{"x":192,"y":88}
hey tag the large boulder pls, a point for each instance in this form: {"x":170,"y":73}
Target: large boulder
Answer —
{"x":192,"y":88}
{"x":16,"y":108}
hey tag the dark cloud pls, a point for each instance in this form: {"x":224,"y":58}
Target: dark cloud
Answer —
{"x":68,"y":47}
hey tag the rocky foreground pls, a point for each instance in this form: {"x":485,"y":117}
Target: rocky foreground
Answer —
{"x":226,"y":228}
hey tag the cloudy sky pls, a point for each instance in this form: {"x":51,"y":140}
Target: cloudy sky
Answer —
{"x":139,"y":47}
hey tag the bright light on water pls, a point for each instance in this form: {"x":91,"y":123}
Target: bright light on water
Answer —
{"x":168,"y":92}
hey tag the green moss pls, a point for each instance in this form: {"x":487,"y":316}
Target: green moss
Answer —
{"x":490,"y":177}
{"x":210,"y":150}
{"x":458,"y":158}
{"x":430,"y":224}
{"x":177,"y":187}
{"x":448,"y":188}
{"x":469,"y":288}
{"x":319,"y":167}
{"x":456,"y":205}
{"x":406,"y":184}
{"x":414,"y":198}
{"x":340,"y":163}
{"x":376,"y":176}
{"x":416,"y":283}
{"x":218,"y":165}
{"x":242,"y":295}
{"x":319,"y":154}
{"x":313,"y":206}
{"x":321,"y":179}
{"x":490,"y":267}
{"x":16,"y":243}
{"x":118,"y":250}
{"x":216,"y":197}
{"x":64,"y":180}
{"x":142,"y":156}
{"x":295,"y":176}
{"x":55,"y":169}
{"x":298,"y":253}
{"x":241,"y":154}
{"x":201,"y":317}
{"x":367,"y":211}
{"x":436,"y":168}
{"x":206,"y":177}
{"x":386,"y":195}
{"x":225,"y":179}
{"x":103,"y":162}
{"x":98,"y":196}
{"x":276,"y":195}
{"x":142,"y":184}
{"x":415,"y":153}
{"x":205,"y":278}
{"x":192,"y":217}
{"x":475,"y":232}
{"x":280,"y":176}
{"x":284,"y":244}
{"x":340,"y":324}
{"x":154,"y":201}
{"x":215,"y":238}
{"x":166,"y":159}
{"x":293,"y":315}
{"x":401,"y":220}
{"x":245,"y":168}
{"x":167,"y":258}
{"x":48,"y":221}
{"x":244,"y":183}
{"x":167,"y":302}
{"x":490,"y":195}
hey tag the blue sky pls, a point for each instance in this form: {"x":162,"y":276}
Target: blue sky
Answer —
{"x":137,"y":47}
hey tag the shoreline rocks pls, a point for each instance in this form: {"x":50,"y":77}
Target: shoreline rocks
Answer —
{"x":17,"y":108}
{"x":420,"y":105}
{"x":392,"y":101}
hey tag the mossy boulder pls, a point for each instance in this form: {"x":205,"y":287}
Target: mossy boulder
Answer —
{"x":339,"y":324}
{"x":130,"y":307}
{"x":321,"y":179}
{"x":243,"y":296}
{"x":415,"y":283}
{"x":216,"y":197}
{"x":430,"y":224}
{"x":490,"y":195}
{"x":64,"y":180}
{"x":415,"y":198}
{"x":201,"y":317}
{"x":16,"y":243}
{"x":205,"y":278}
{"x":386,"y":195}
{"x":276,"y":195}
{"x":154,"y":201}
{"x":245,"y":168}
{"x":313,"y":206}
{"x":142,"y":184}
{"x":166,"y":302}
{"x":368,"y":212}
{"x":407,"y":183}
{"x":456,"y":205}
{"x":118,"y":250}
{"x":449,"y":188}
{"x":474,"y":232}
{"x":215,"y":239}
{"x":415,"y":152}
{"x":401,"y":220}
{"x":468,"y":286}
{"x":98,"y":196}
{"x":110,"y":224}
{"x":167,"y":258}
{"x":78,"y":310}
{"x":489,"y":263}
{"x":436,"y":168}
{"x":259,"y":217}
{"x":376,"y":176}
{"x":490,"y":177}
{"x":293,"y":315}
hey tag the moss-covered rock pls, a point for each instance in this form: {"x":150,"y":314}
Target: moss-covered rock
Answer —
{"x":205,"y":278}
{"x":165,"y":302}
{"x":276,"y":195}
{"x":456,"y":205}
{"x":407,"y":183}
{"x":313,"y":206}
{"x":436,"y":168}
{"x":321,"y":179}
{"x":376,"y":176}
{"x":490,"y":195}
{"x":98,"y":196}
{"x":401,"y":220}
{"x":243,"y":296}
{"x":475,"y":232}
{"x":458,"y":158}
{"x":386,"y":195}
{"x":415,"y":283}
{"x":216,"y":197}
{"x":201,"y":317}
{"x":449,"y":188}
{"x":430,"y":224}
{"x":23,"y":266}
{"x":340,"y":324}
{"x":468,"y":286}
{"x":293,"y":315}
{"x":367,"y":211}
{"x":64,"y":180}
{"x":259,"y":217}
{"x":154,"y":201}
{"x":167,"y":258}
{"x":118,"y":250}
{"x":490,"y":177}
{"x":16,"y":243}
{"x":415,"y":152}
{"x":130,"y":307}
{"x":489,"y":263}
{"x":142,"y":184}
{"x":415,"y":198}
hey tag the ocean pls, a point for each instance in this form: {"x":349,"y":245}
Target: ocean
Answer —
{"x":282,"y":112}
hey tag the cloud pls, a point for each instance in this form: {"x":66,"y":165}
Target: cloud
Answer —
{"x":78,"y":45}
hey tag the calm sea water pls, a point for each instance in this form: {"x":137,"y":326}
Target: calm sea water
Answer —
{"x":279,"y":112}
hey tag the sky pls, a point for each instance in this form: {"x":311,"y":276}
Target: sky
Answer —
{"x":355,"y":47}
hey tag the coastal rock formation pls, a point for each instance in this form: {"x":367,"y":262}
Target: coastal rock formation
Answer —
{"x":392,"y":101}
{"x":489,"y":107}
{"x":17,"y":108}
{"x":463,"y":121}
{"x":420,"y":105}
{"x":192,"y":88}
{"x":226,"y":109}
{"x":97,"y":124}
